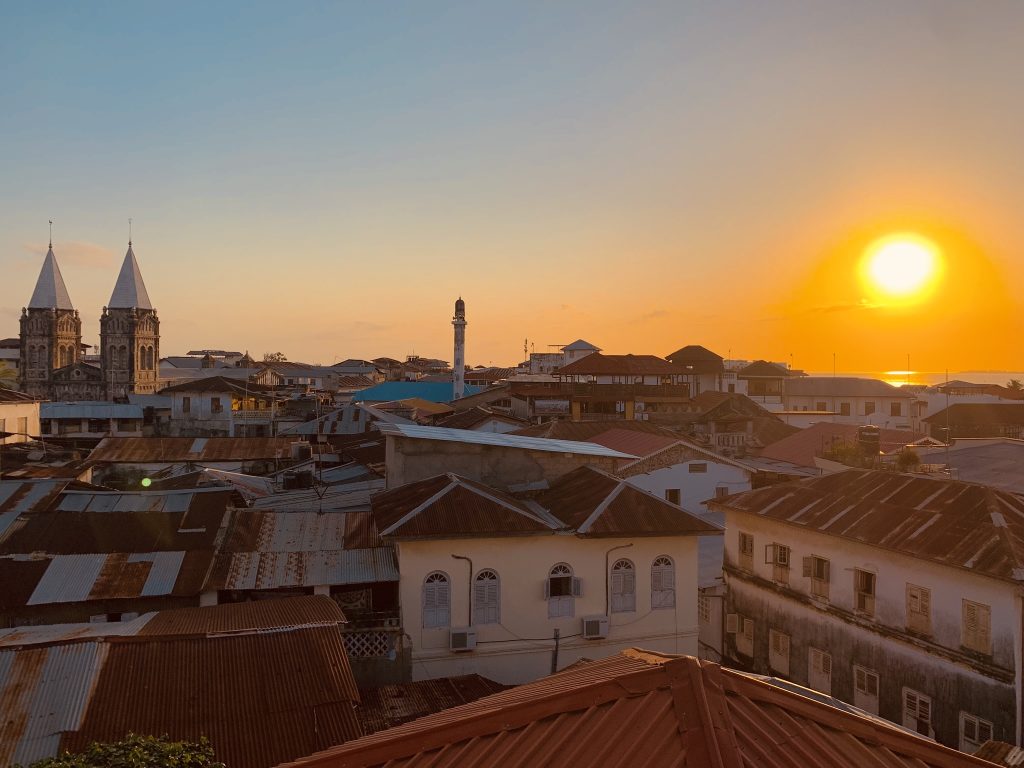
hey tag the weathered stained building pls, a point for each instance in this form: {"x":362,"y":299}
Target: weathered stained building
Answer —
{"x":899,"y":594}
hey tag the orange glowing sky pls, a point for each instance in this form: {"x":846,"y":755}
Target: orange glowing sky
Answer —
{"x":326,"y":180}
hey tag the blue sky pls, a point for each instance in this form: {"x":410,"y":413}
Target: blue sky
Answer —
{"x":325,"y":178}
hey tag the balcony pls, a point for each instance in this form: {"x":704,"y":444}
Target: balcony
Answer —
{"x":624,"y":391}
{"x":265,"y":415}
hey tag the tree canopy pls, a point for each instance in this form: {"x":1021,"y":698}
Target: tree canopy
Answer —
{"x":137,"y":752}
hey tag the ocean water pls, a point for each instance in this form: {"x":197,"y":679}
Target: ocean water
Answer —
{"x":898,"y":378}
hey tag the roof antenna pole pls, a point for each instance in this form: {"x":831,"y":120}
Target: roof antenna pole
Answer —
{"x":129,"y":232}
{"x":51,"y":234}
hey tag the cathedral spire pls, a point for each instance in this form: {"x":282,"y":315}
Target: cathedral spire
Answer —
{"x":50,"y":292}
{"x":130,"y":290}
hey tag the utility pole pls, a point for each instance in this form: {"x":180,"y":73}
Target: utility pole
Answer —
{"x":554,"y":652}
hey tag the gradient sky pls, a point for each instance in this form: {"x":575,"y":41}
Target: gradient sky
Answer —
{"x":324,"y":179}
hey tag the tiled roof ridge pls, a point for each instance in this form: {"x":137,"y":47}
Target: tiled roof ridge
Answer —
{"x":452,"y":484}
{"x":482,"y":490}
{"x":487,"y":720}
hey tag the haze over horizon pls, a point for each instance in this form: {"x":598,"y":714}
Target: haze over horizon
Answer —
{"x":325,"y":179}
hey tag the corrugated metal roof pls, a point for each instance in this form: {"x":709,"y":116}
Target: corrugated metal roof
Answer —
{"x":645,"y":710}
{"x":435,"y":391}
{"x":52,"y":634}
{"x":392,"y":705}
{"x":289,"y":612}
{"x":89,"y":410}
{"x":29,"y":495}
{"x":801,"y":447}
{"x":154,"y":501}
{"x":841,"y":386}
{"x":261,"y":698}
{"x":500,"y":440}
{"x":160,"y":450}
{"x":44,"y":692}
{"x":957,"y":524}
{"x":353,"y":497}
{"x":277,"y":570}
{"x":69,"y":579}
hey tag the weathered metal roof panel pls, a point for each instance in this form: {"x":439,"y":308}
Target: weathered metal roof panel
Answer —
{"x":499,"y":440}
{"x":44,"y":692}
{"x":164,"y":573}
{"x":28,"y":495}
{"x":68,"y":579}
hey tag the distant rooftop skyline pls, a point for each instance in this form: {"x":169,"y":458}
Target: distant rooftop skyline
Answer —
{"x":324,"y":179}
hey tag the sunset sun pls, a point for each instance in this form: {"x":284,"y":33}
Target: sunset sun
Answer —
{"x":901,"y":267}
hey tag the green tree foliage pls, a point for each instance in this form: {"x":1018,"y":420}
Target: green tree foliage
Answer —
{"x":137,"y":752}
{"x":274,"y":357}
{"x":908,"y":460}
{"x":1015,"y":384}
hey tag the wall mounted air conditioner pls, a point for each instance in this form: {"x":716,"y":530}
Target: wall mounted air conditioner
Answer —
{"x":595,"y":627}
{"x":462,"y":639}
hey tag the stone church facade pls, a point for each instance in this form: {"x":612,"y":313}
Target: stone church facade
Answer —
{"x":51,"y":340}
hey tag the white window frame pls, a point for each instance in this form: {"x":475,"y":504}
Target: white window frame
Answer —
{"x":622,"y":586}
{"x":820,"y":577}
{"x":703,"y":607}
{"x":974,"y":731}
{"x":979,"y":637}
{"x":914,"y":704}
{"x":779,"y":557}
{"x":486,"y":597}
{"x":919,"y":609}
{"x":819,"y":670}
{"x":437,"y":600}
{"x":745,"y":636}
{"x":864,"y":680}
{"x":663,"y":583}
{"x":745,"y":548}
{"x":562,"y":606}
{"x":779,"y":651}
{"x":865,"y":587}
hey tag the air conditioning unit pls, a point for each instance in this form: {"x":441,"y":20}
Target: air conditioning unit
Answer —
{"x":732,"y":623}
{"x":595,"y":627}
{"x":462,"y":639}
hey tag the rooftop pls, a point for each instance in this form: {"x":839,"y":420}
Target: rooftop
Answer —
{"x":160,"y":450}
{"x":645,"y":710}
{"x":803,"y":445}
{"x":597,"y":364}
{"x":841,"y":386}
{"x":130,"y":290}
{"x":50,"y":291}
{"x":958,"y":524}
{"x":494,"y":439}
{"x":434,"y":391}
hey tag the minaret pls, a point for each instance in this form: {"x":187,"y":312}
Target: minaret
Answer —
{"x":129,"y":335}
{"x":51,"y":331}
{"x":459,"y":366}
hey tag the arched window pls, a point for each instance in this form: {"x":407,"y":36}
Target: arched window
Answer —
{"x":486,"y":598}
{"x":33,"y":357}
{"x":151,"y":363}
{"x":437,"y":600}
{"x":623,"y":587}
{"x":561,"y":590}
{"x":112,"y":357}
{"x":663,"y":582}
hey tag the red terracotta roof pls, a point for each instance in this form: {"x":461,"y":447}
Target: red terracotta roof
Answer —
{"x":644,"y":710}
{"x":155,"y":450}
{"x":597,"y":504}
{"x":597,"y":364}
{"x":802,"y":446}
{"x":634,"y":442}
{"x":961,"y":525}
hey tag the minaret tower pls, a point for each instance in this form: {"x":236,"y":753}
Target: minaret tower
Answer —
{"x":459,"y":366}
{"x":51,"y":331}
{"x":129,"y":335}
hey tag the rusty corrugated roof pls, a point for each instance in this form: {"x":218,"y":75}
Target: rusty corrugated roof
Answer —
{"x":644,"y":710}
{"x":392,"y":705}
{"x":260,"y":698}
{"x":158,"y":450}
{"x":17,"y":496}
{"x":957,"y":524}
{"x":803,"y":445}
{"x":302,"y":611}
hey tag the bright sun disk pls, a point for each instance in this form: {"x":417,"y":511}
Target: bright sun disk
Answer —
{"x":901,"y":266}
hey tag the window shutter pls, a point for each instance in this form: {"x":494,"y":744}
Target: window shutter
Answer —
{"x":577,"y":587}
{"x":547,"y":589}
{"x":827,"y":575}
{"x":769,"y":554}
{"x":748,"y":629}
{"x":444,"y":601}
{"x":807,"y":567}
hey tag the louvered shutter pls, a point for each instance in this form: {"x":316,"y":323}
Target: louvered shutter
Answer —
{"x":577,"y":587}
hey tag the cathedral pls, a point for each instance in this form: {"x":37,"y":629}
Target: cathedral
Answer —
{"x":52,"y":367}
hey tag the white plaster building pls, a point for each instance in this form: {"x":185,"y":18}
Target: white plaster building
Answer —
{"x":510,"y":588}
{"x":850,"y":400}
{"x":19,"y":415}
{"x":898,"y":594}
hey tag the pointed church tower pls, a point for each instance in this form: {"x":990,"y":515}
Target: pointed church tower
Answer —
{"x":51,"y":331}
{"x":129,"y":335}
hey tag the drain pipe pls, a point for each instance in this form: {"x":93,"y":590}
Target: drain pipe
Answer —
{"x":469,"y":605}
{"x":608,"y":579}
